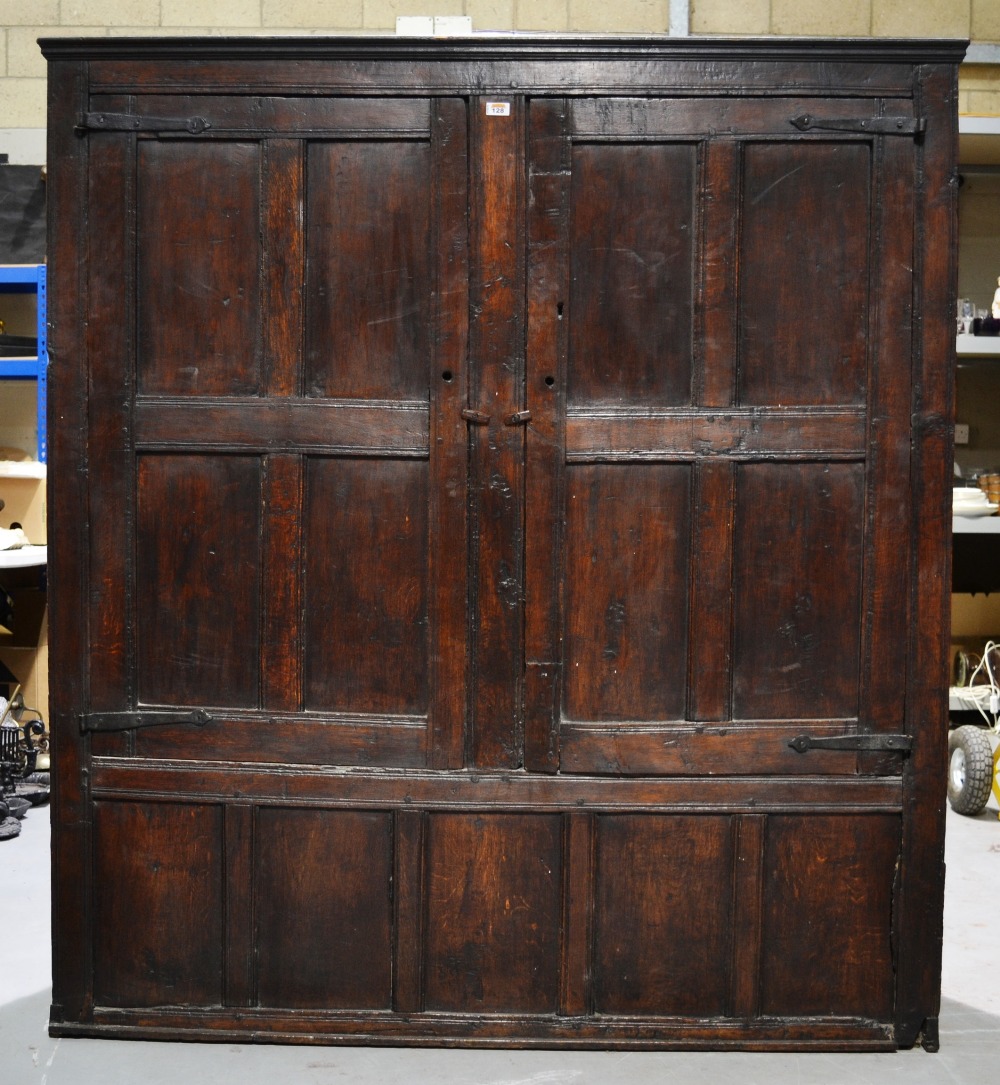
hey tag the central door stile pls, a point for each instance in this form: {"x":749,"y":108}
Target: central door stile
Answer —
{"x":548,"y":317}
{"x":496,"y":389}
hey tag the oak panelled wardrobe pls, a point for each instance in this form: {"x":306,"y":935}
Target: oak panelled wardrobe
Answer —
{"x":500,"y":538}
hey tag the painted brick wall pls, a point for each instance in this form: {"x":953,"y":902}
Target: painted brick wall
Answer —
{"x":978,"y":19}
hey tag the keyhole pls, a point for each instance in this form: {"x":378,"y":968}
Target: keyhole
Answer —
{"x":550,"y":381}
{"x":559,"y":309}
{"x":446,"y":376}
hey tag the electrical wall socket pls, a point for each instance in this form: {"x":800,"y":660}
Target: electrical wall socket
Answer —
{"x":961,"y":434}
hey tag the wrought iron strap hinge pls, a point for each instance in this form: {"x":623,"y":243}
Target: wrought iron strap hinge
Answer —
{"x":881,"y":126}
{"x":151,"y":717}
{"x":871,"y":742}
{"x":127,"y":122}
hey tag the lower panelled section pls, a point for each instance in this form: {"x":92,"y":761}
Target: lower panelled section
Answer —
{"x":559,"y":924}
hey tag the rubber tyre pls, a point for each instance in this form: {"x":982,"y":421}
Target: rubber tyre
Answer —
{"x":970,"y":770}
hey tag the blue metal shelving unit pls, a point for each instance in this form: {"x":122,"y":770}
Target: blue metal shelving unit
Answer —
{"x":27,"y":279}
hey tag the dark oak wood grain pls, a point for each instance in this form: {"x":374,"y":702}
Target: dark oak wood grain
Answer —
{"x":548,"y":316}
{"x":198,"y":519}
{"x":283,"y":184}
{"x":409,"y":922}
{"x":797,"y":620}
{"x":281,"y":569}
{"x":239,"y":936}
{"x":711,"y":610}
{"x":827,"y":889}
{"x":632,"y":236}
{"x":72,"y":981}
{"x":627,"y":547}
{"x":367,"y":273}
{"x":323,"y":907}
{"x":161,"y":862}
{"x":448,"y":510}
{"x":748,"y":877}
{"x":108,"y":338}
{"x":198,"y":298}
{"x":803,"y":276}
{"x":493,"y":911}
{"x":496,"y":458}
{"x":663,"y":915}
{"x":511,"y":446}
{"x":369,"y":787}
{"x":365,"y":632}
{"x":921,"y":893}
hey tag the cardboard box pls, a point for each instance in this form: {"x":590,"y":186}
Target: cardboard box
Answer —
{"x":30,"y":666}
{"x":24,"y":501}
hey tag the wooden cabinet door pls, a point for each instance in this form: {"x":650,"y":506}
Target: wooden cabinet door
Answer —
{"x":717,"y":459}
{"x":279,"y":454}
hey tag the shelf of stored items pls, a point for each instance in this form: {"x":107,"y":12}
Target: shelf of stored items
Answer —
{"x":976,"y":525}
{"x":977,"y":346}
{"x":24,"y":279}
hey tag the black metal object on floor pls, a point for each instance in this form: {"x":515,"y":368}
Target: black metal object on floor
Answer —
{"x":23,"y":739}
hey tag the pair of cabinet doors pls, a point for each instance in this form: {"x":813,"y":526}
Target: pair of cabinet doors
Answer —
{"x":493,"y":464}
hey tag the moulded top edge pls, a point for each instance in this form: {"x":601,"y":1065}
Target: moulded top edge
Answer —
{"x":523,"y":45}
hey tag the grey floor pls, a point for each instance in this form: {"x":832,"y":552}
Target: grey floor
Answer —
{"x":970,"y":1018}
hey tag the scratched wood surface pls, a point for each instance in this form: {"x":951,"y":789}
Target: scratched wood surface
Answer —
{"x":510,"y":446}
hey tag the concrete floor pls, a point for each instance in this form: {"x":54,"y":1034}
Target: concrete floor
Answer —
{"x":970,"y":1017}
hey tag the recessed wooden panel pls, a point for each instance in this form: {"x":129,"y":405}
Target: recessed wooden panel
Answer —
{"x":803,"y":279}
{"x":324,"y":909}
{"x":366,"y":585}
{"x":368,"y":288}
{"x":198,"y":580}
{"x":493,"y":911}
{"x":632,"y":244}
{"x":797,"y":611}
{"x":662,"y":915}
{"x":627,"y":543}
{"x":158,"y":904}
{"x":828,"y":886}
{"x":198,"y":274}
